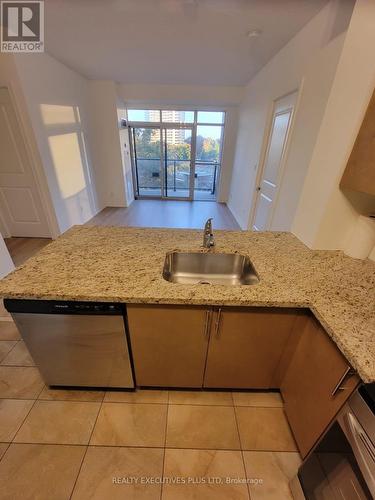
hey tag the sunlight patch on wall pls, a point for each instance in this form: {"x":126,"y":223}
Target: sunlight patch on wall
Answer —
{"x":53,"y":114}
{"x":68,"y":163}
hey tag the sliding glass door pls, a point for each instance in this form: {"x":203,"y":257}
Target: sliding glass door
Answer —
{"x":177,"y":162}
{"x":210,"y":126}
{"x":176,"y":154}
{"x":147,"y":163}
{"x":162,"y":162}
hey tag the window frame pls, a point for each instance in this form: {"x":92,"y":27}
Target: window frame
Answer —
{"x":178,"y":125}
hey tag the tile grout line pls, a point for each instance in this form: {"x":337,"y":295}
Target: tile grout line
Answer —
{"x":43,"y":443}
{"x":148,"y":447}
{"x":28,"y":413}
{"x":79,"y":471}
{"x":198,"y":404}
{"x":123,"y":402}
{"x":136,"y":403}
{"x":16,"y":366}
{"x":242,"y":451}
{"x":165,"y":446}
{"x":257,"y":406}
{"x":69,"y":400}
{"x":87,"y":447}
{"x":11,"y":349}
{"x":6,"y":449}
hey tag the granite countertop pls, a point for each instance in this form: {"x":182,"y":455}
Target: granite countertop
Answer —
{"x":125,"y":265}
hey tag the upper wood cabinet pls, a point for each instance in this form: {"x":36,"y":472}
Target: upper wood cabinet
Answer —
{"x":359,"y":174}
{"x":169,"y":344}
{"x":317,"y":383}
{"x":246,"y":346}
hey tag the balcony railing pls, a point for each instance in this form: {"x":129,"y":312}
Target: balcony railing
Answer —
{"x":177,"y":174}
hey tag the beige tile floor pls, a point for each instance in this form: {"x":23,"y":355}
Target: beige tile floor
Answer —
{"x":148,"y":444}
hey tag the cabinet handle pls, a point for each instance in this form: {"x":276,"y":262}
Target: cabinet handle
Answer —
{"x":217,"y":327}
{"x":339,"y":387}
{"x":207,"y":323}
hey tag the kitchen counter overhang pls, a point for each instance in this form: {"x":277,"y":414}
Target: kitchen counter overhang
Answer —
{"x":125,"y":265}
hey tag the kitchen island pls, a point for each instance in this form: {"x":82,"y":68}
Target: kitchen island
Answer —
{"x":115,"y":264}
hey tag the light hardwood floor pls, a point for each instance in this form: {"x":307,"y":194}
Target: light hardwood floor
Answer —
{"x":142,"y":213}
{"x":21,"y":249}
{"x":171,"y":214}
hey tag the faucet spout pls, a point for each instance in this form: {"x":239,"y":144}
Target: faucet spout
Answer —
{"x":208,"y":236}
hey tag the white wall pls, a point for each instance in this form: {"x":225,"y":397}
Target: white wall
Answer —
{"x":317,"y":82}
{"x":229,"y":145}
{"x":181,"y":94}
{"x":106,"y":146}
{"x":194,"y":97}
{"x":56,"y":100}
{"x":310,"y":57}
{"x":6,"y":263}
{"x":325,"y":214}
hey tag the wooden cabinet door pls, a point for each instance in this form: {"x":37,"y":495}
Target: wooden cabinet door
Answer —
{"x":311,"y":388}
{"x":246,"y":345}
{"x":169,"y":344}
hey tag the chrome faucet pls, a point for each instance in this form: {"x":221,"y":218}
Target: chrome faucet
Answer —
{"x":208,"y":236}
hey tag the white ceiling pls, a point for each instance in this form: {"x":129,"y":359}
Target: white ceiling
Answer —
{"x":198,"y":42}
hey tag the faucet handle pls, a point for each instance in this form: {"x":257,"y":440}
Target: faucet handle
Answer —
{"x":209,"y":224}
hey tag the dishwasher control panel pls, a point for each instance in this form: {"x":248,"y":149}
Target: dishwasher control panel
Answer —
{"x":63,"y":307}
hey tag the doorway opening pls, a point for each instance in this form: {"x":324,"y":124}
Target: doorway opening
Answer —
{"x":176,"y":154}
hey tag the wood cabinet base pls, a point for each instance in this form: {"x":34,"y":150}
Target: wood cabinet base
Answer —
{"x":169,"y":344}
{"x":317,"y":383}
{"x":246,"y":346}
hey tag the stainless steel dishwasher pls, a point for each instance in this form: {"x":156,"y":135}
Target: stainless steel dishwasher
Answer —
{"x":82,"y":344}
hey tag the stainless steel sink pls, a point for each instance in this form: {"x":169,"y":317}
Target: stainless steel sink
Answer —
{"x":209,"y":268}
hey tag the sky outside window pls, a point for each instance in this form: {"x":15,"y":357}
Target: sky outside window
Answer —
{"x":176,"y":116}
{"x":211,"y":117}
{"x":143,"y":115}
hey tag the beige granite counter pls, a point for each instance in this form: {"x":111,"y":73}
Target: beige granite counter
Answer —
{"x":125,"y":265}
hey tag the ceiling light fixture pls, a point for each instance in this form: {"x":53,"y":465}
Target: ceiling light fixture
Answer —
{"x":254,"y":33}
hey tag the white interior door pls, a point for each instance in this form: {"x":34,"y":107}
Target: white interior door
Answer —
{"x":273,"y":162}
{"x":21,"y":208}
